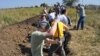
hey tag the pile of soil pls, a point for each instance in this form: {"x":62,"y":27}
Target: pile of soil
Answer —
{"x":14,"y":38}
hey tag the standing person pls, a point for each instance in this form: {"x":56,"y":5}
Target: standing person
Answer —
{"x":81,"y":12}
{"x":43,"y":21}
{"x":37,"y":38}
{"x":57,"y":8}
{"x":64,"y":19}
{"x":63,"y":16}
{"x":51,"y":15}
{"x":58,"y":36}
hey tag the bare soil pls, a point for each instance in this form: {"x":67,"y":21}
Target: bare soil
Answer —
{"x":14,"y":38}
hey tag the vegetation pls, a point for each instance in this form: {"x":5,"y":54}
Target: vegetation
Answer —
{"x":69,"y":2}
{"x":11,"y":16}
{"x":43,"y":5}
{"x":86,"y":42}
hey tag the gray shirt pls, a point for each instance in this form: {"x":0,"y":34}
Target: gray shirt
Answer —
{"x":37,"y":38}
{"x":82,"y":11}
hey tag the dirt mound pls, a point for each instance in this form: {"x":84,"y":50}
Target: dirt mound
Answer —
{"x":13,"y":38}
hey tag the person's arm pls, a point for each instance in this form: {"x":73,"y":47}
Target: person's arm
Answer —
{"x":66,"y":20}
{"x":45,"y":35}
{"x":45,"y":11}
{"x":53,"y":29}
{"x":77,"y":9}
{"x":48,"y":35}
{"x":66,"y":27}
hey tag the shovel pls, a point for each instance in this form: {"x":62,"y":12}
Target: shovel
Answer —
{"x":76,"y":21}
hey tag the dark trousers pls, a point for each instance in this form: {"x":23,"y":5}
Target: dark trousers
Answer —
{"x":67,"y":36}
{"x":54,"y":48}
{"x":81,"y":23}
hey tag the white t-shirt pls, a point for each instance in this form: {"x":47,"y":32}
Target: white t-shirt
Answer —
{"x":63,"y":19}
{"x":52,"y":16}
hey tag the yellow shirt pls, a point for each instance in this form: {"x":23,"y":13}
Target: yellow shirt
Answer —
{"x":61,"y":29}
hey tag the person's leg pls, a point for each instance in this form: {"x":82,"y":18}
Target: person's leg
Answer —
{"x":62,"y":51}
{"x":65,"y":41}
{"x":69,"y":21}
{"x":67,"y":36}
{"x":82,"y":23}
{"x":78,"y":24}
{"x":52,"y":49}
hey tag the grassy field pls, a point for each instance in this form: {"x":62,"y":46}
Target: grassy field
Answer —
{"x":83,"y":42}
{"x":86,"y":42}
{"x":11,"y":16}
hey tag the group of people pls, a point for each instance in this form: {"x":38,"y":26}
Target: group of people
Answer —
{"x":52,"y":28}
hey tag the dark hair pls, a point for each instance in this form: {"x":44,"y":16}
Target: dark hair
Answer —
{"x":79,"y":4}
{"x":63,"y":11}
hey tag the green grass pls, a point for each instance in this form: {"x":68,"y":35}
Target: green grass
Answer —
{"x":11,"y":16}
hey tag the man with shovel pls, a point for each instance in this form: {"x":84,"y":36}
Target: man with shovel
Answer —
{"x":81,"y":12}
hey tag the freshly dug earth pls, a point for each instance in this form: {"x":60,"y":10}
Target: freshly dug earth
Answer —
{"x":14,"y":38}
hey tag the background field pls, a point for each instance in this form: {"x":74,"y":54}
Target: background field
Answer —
{"x":11,"y":16}
{"x":83,"y":42}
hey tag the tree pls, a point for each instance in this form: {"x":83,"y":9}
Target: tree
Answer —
{"x":43,"y":5}
{"x":69,"y":2}
{"x":36,"y":6}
